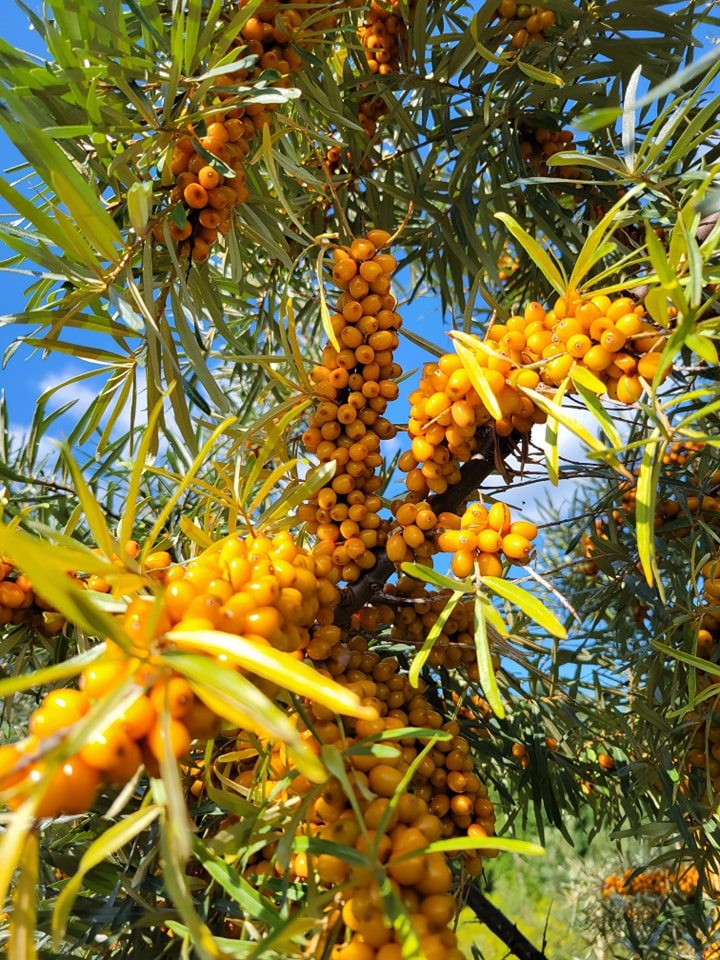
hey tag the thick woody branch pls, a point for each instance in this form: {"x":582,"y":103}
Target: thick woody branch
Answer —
{"x":474,"y":472}
{"x":496,"y":921}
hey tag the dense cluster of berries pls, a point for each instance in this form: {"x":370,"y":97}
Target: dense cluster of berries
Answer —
{"x":354,"y":385}
{"x":443,"y":798}
{"x":415,"y":612}
{"x":657,"y":882}
{"x":526,"y":22}
{"x":277,"y":29}
{"x":383,"y":34}
{"x":538,"y":144}
{"x":447,"y":414}
{"x":481,"y":535}
{"x":19,"y":603}
{"x":203,"y":198}
{"x":266,"y":589}
{"x":610,"y":338}
{"x":209,"y":169}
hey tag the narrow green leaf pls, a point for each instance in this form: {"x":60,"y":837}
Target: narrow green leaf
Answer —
{"x":522,"y":847}
{"x":106,"y":845}
{"x":428,"y":575}
{"x":538,"y":75}
{"x":549,"y":267}
{"x":590,"y":399}
{"x":139,"y":201}
{"x":23,"y":918}
{"x":275,"y":665}
{"x":418,"y":661}
{"x":530,"y":605}
{"x":91,"y":219}
{"x":475,"y":372}
{"x":484,"y":662}
{"x":234,"y":698}
{"x":646,"y":495}
{"x":324,"y":312}
{"x":48,"y":565}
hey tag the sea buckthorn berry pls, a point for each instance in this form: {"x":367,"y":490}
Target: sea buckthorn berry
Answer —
{"x":60,"y":708}
{"x":516,"y":547}
{"x":107,"y":749}
{"x":597,"y":358}
{"x":71,"y":789}
{"x":629,"y":389}
{"x":463,"y":563}
{"x":524,"y":528}
{"x":499,"y":517}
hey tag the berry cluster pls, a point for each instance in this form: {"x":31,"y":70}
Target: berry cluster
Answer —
{"x":383,"y":35}
{"x":443,"y":797}
{"x":657,"y":882}
{"x":354,"y":385}
{"x":264,"y":588}
{"x":203,"y":198}
{"x":609,"y":338}
{"x":416,"y":610}
{"x":481,"y":535}
{"x":526,"y":22}
{"x":538,"y":144}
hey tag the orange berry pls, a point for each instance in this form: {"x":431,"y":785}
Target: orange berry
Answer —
{"x":516,"y":547}
{"x":499,"y":517}
{"x":208,"y":177}
{"x":195,"y":196}
{"x":463,"y":563}
{"x":597,"y":358}
{"x":174,"y":695}
{"x":178,"y":741}
{"x":71,"y":789}
{"x":524,"y":528}
{"x":107,"y":749}
{"x":60,"y":708}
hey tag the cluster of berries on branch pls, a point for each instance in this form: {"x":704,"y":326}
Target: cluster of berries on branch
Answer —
{"x":354,"y":385}
{"x":525,"y":22}
{"x":383,"y":34}
{"x":265,"y":589}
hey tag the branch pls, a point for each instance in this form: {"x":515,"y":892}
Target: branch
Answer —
{"x":496,"y":921}
{"x":477,"y":469}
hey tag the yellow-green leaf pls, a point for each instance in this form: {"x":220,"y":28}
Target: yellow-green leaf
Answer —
{"x":484,"y":662}
{"x":23,"y":919}
{"x":589,"y":398}
{"x":476,"y":373}
{"x":139,"y":201}
{"x":47,"y":564}
{"x":646,"y":495}
{"x":324,"y":312}
{"x":550,"y":268}
{"x":418,"y":661}
{"x":523,"y":847}
{"x":274,"y":665}
{"x":540,"y":76}
{"x":530,"y":605}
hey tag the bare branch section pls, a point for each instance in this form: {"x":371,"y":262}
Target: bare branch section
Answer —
{"x":496,"y":921}
{"x":488,"y":458}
